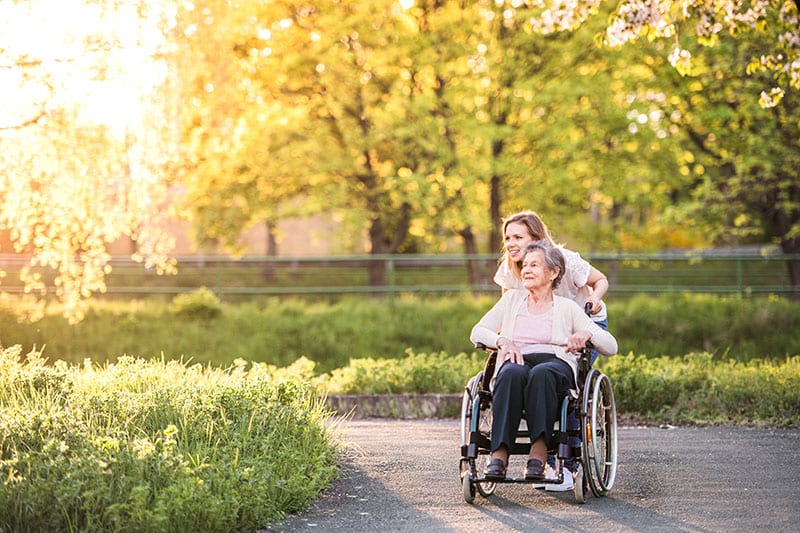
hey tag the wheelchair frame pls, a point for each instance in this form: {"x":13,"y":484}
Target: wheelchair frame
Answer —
{"x":595,"y":457}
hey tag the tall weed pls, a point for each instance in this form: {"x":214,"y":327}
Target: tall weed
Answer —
{"x":701,"y":387}
{"x":156,"y":445}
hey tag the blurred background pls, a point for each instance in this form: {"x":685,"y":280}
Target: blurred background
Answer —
{"x":286,"y":147}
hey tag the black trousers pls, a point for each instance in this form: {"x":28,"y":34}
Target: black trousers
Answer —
{"x":538,"y":387}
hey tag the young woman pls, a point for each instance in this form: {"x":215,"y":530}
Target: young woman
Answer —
{"x":581,"y":282}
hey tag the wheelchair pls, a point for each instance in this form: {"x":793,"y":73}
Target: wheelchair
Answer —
{"x":594,"y":459}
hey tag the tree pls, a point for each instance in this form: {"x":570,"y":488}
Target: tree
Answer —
{"x":413,"y":124}
{"x":697,"y":21}
{"x":558,"y":138}
{"x":743,"y":159}
{"x":350,"y":124}
{"x":233,"y":169}
{"x":77,"y":172}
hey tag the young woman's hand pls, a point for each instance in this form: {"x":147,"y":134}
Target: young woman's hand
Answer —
{"x":595,"y":304}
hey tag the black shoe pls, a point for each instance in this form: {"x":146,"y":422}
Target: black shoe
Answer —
{"x":534,"y":470}
{"x":496,"y":469}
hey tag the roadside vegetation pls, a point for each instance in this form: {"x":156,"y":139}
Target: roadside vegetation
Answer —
{"x":198,"y":327}
{"x":198,"y":415}
{"x":156,"y":446}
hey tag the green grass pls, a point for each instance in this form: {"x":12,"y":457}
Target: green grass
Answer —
{"x":277,"y":331}
{"x":701,"y":388}
{"x":156,"y":446}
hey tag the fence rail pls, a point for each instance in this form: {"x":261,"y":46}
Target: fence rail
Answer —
{"x":701,"y":272}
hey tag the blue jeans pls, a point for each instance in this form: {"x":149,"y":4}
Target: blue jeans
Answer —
{"x":603,"y":324}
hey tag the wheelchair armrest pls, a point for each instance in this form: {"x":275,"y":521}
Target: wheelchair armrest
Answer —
{"x":488,"y":369}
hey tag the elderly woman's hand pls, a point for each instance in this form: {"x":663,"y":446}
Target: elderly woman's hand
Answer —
{"x":577,"y":341}
{"x":508,"y":351}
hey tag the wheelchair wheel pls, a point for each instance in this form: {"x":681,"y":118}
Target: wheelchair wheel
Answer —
{"x":579,"y":484}
{"x":468,"y":487}
{"x":599,"y":433}
{"x":474,"y":467}
{"x":486,"y":488}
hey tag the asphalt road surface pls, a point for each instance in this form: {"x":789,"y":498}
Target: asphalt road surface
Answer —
{"x":403,"y":476}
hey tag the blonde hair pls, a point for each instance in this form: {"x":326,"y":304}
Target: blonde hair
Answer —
{"x":536,"y":229}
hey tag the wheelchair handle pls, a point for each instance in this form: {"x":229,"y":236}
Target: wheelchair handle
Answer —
{"x":587,"y":308}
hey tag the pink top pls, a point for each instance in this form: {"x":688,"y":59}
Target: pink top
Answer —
{"x":533,"y":329}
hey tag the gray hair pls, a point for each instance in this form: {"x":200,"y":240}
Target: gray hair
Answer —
{"x":553,"y":258}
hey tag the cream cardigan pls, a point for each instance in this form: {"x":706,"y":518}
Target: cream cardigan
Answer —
{"x":567,"y":319}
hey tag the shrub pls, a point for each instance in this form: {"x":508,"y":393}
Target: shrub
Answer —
{"x":156,"y":446}
{"x":701,"y":387}
{"x":414,"y":373}
{"x":201,"y":304}
{"x":723,"y":325}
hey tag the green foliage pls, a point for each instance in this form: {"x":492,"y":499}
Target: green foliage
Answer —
{"x":201,"y":304}
{"x":414,"y":373}
{"x":740,"y":328}
{"x":279,"y":331}
{"x":156,"y":446}
{"x":743,"y":188}
{"x":276,"y":332}
{"x":700,"y":387}
{"x":694,"y":388}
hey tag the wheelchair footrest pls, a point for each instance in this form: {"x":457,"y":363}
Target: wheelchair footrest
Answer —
{"x":520,"y":480}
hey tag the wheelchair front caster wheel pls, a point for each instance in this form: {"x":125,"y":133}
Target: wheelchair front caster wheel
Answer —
{"x":579,"y":485}
{"x":468,"y":488}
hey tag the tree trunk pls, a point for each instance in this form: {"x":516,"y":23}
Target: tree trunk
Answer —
{"x":495,"y":200}
{"x":782,"y":222}
{"x":380,"y":244}
{"x":474,"y":267}
{"x":376,"y":270}
{"x":268,"y":270}
{"x":792,"y":246}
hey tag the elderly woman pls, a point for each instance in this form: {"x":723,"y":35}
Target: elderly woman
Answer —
{"x":539,"y":337}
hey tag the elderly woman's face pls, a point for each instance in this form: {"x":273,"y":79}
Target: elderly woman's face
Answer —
{"x":535,"y":273}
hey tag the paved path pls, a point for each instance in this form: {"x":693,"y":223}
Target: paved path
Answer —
{"x":403,"y":476}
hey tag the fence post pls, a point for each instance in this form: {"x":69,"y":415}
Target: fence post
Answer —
{"x":740,"y":276}
{"x":391,"y":279}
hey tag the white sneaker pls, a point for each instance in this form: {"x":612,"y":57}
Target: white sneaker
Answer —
{"x":549,"y":473}
{"x":564,"y":486}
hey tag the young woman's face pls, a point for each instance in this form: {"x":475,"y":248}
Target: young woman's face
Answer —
{"x":535,"y":273}
{"x":517,"y":236}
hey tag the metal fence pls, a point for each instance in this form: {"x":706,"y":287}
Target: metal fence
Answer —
{"x":700,"y":272}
